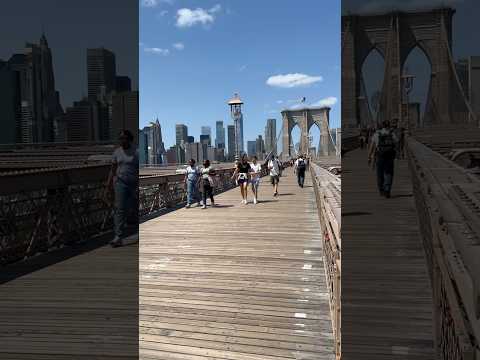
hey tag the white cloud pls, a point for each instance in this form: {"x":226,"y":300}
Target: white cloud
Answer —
{"x":157,"y":51}
{"x":179,"y":46}
{"x":190,"y":17}
{"x":215,"y":9}
{"x":154,"y":3}
{"x":326,"y":102}
{"x":292,"y":80}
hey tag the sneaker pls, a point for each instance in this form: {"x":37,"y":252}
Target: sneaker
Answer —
{"x":187,"y":206}
{"x":255,"y":200}
{"x":204,"y":206}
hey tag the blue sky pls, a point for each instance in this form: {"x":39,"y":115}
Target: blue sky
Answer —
{"x":194,"y":55}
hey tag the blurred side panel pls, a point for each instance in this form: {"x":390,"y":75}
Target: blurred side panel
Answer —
{"x":68,"y":87}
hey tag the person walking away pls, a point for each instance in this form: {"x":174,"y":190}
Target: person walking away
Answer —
{"x":191,"y":181}
{"x":241,"y":175}
{"x":299,"y":169}
{"x":207,"y":183}
{"x":255,"y":173}
{"x":383,"y":147}
{"x":123,"y":180}
{"x":274,"y":167}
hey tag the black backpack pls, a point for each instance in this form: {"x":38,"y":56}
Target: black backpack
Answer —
{"x":301,"y":165}
{"x":386,"y":144}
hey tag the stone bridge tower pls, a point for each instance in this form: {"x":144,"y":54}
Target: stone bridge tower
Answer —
{"x":305,"y":118}
{"x":394,"y":35}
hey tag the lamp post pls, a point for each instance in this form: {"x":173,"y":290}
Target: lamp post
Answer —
{"x":407,"y":81}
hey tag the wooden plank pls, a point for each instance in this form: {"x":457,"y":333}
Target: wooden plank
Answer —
{"x":236,"y":281}
{"x":386,"y":293}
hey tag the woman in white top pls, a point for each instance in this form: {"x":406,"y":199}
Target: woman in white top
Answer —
{"x":255,"y":173}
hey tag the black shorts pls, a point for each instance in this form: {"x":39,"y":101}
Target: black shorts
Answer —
{"x":275,"y":179}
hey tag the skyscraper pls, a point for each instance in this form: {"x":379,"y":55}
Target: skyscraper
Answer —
{"x":37,"y":103}
{"x":123,"y":84}
{"x":207,"y":130}
{"x":181,"y":134}
{"x":155,"y":146}
{"x":231,"y":141}
{"x":82,"y":120}
{"x":142,"y":147}
{"x":125,"y":113}
{"x":270,"y":136}
{"x":220,"y":135}
{"x":252,"y":148}
{"x":101,"y":72}
{"x":260,"y":147}
{"x":9,"y":102}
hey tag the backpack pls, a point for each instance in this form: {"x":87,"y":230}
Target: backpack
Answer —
{"x":386,"y":144}
{"x":301,"y":165}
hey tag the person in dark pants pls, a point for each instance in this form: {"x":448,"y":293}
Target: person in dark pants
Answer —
{"x":207,"y":184}
{"x":300,"y":168}
{"x":123,"y":180}
{"x":383,"y":146}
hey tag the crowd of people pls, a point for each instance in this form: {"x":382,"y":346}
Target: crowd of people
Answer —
{"x":247,"y":174}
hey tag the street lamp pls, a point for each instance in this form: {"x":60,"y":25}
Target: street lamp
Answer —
{"x":407,"y":81}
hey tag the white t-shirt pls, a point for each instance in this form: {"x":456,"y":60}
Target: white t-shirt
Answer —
{"x":274,"y":167}
{"x":192,"y":173}
{"x":256,"y":169}
{"x":127,"y":164}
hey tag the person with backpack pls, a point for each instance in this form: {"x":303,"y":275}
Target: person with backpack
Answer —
{"x":275,"y":169}
{"x":299,"y":169}
{"x":207,"y":183}
{"x":383,"y":147}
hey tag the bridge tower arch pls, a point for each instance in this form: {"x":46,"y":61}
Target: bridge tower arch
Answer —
{"x":395,"y":34}
{"x":304,"y":119}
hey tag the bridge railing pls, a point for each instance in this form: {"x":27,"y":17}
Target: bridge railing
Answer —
{"x":327,"y":189}
{"x":158,"y":193}
{"x":43,"y":210}
{"x":448,"y":202}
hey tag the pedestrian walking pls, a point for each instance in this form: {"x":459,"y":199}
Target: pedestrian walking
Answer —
{"x":241,"y":175}
{"x":299,"y":168}
{"x":383,"y":148}
{"x":275,"y":168}
{"x":255,"y":175}
{"x":123,"y":180}
{"x":207,"y":183}
{"x":192,"y":175}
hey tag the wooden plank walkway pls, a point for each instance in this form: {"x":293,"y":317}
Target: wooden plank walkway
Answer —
{"x":386,"y":293}
{"x":239,"y":282}
{"x":83,"y":306}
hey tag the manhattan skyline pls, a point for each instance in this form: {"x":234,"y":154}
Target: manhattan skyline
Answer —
{"x":194,"y":56}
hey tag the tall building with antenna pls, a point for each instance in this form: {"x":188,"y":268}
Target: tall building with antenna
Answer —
{"x":237,"y":116}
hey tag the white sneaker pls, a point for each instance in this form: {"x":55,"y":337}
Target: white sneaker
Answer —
{"x":255,"y":200}
{"x":187,"y":206}
{"x":204,"y":206}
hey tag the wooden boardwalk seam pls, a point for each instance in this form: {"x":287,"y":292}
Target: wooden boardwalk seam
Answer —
{"x":240,"y":282}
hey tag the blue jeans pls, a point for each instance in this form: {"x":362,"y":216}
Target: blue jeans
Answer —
{"x":385,"y":165}
{"x":192,"y":193}
{"x":125,"y":195}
